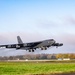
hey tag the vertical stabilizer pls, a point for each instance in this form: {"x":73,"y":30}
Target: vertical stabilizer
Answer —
{"x":19,"y":40}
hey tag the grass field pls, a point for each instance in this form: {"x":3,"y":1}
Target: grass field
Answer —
{"x":28,"y":68}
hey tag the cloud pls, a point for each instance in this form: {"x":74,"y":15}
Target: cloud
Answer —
{"x":69,"y":20}
{"x":56,"y":23}
{"x":46,"y":24}
{"x":11,"y":37}
{"x":67,"y":38}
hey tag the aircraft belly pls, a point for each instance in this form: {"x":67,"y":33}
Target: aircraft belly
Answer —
{"x":44,"y":44}
{"x":25,"y":48}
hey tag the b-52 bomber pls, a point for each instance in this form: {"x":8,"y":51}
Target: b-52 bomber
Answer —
{"x":32,"y":46}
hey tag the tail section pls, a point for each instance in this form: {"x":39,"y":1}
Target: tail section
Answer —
{"x":19,"y":40}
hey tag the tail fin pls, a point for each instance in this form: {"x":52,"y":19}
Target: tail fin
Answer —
{"x":19,"y":40}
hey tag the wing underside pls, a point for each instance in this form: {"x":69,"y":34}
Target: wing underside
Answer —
{"x":19,"y":46}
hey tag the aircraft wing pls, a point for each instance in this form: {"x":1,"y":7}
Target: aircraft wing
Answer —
{"x":23,"y":45}
{"x":10,"y":46}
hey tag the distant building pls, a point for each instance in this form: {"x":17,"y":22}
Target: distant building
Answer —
{"x":26,"y":60}
{"x":66,"y":59}
{"x":60,"y":59}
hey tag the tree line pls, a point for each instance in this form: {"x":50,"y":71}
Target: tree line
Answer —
{"x":39,"y":56}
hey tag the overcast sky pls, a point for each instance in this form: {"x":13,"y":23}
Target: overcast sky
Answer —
{"x":35,"y":20}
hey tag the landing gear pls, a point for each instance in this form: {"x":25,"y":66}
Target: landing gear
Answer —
{"x":45,"y":48}
{"x":31,"y":50}
{"x":41,"y":48}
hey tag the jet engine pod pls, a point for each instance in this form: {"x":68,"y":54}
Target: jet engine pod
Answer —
{"x":17,"y":47}
{"x":8,"y":46}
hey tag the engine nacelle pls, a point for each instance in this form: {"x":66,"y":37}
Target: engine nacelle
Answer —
{"x":57,"y":44}
{"x":8,"y":46}
{"x":17,"y":47}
